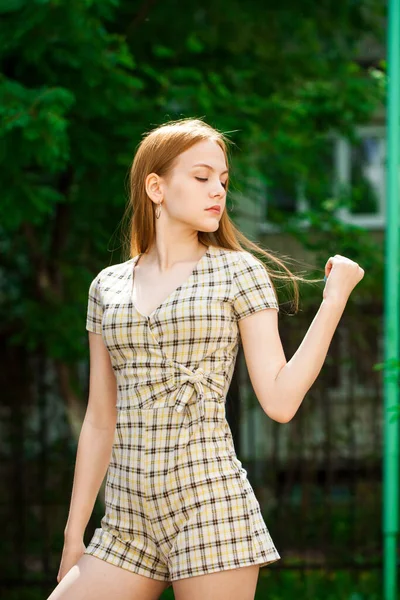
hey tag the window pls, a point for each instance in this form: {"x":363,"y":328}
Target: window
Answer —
{"x":361,"y":168}
{"x":357,"y":169}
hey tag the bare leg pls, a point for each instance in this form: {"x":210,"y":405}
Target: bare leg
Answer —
{"x":239,"y":583}
{"x":95,"y":579}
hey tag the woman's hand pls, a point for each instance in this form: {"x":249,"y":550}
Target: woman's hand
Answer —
{"x":72,"y":551}
{"x":342,"y":276}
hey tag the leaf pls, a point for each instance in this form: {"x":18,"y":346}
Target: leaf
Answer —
{"x":193,"y":44}
{"x":163,"y":51}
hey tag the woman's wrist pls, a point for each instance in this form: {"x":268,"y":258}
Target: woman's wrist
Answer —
{"x":73,"y":535}
{"x":335,"y":301}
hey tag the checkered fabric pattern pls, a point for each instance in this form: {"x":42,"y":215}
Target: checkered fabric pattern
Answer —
{"x":178,"y":500}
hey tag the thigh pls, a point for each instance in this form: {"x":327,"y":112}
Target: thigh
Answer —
{"x":239,"y":583}
{"x":95,"y":579}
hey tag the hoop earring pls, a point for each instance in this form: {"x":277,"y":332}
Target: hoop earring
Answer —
{"x":158,"y":210}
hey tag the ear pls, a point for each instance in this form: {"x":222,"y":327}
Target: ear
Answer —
{"x":153,"y":186}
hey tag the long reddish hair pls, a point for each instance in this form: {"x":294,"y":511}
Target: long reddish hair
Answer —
{"x":157,"y":153}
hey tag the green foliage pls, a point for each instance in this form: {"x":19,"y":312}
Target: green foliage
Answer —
{"x":81,"y":81}
{"x":319,"y":584}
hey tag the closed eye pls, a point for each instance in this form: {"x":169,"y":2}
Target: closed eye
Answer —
{"x":201,"y":179}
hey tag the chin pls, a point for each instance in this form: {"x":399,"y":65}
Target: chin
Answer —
{"x":210,"y":227}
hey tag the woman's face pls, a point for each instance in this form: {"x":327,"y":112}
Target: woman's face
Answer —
{"x":191,"y":188}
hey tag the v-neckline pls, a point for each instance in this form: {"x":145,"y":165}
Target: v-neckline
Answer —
{"x":174,"y":292}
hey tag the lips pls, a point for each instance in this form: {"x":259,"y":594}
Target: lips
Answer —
{"x":215,"y":208}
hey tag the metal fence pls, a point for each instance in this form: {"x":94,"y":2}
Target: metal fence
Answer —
{"x":318,"y":478}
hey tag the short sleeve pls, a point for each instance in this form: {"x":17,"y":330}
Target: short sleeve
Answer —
{"x":94,"y":315}
{"x":252,"y":287}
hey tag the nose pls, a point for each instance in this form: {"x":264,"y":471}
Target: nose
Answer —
{"x":219,"y":192}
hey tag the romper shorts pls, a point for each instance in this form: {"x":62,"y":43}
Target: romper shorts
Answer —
{"x":176,"y":510}
{"x":178,"y":501}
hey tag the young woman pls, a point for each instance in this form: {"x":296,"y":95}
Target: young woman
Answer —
{"x":164,"y":328}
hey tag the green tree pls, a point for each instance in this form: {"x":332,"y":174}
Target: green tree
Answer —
{"x":81,"y":80}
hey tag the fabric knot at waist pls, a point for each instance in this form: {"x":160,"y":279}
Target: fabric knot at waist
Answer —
{"x":191,"y":391}
{"x":197,"y":376}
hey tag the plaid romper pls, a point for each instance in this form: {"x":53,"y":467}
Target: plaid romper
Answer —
{"x":178,"y":501}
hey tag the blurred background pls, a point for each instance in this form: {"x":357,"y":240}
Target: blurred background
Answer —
{"x":301,"y":86}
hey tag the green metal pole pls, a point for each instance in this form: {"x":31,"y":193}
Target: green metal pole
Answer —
{"x":391,"y":316}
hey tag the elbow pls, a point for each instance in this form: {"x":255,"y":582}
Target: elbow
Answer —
{"x":284,"y":418}
{"x":278,"y":416}
{"x":275,"y":412}
{"x":284,"y":406}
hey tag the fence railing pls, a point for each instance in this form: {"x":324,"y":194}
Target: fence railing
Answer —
{"x":318,"y":478}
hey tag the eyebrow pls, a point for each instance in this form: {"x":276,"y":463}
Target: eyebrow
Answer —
{"x":208,"y":167}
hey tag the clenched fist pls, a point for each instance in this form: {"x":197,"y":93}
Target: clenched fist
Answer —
{"x":342,"y":276}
